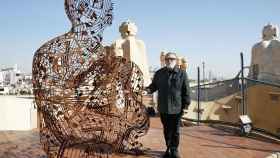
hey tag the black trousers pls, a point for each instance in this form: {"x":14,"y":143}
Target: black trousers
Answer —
{"x":171,"y":129}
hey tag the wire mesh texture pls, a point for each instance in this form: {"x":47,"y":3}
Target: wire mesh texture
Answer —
{"x":89,"y":102}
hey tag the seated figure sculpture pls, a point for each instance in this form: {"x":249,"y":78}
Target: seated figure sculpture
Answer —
{"x":89,"y":102}
{"x":162,"y":59}
{"x":265,"y":60}
{"x":132,"y":49}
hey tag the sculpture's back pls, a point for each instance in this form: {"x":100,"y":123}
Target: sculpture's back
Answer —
{"x":87,"y":99}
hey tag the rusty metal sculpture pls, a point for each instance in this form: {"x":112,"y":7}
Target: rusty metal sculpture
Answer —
{"x":89,"y":101}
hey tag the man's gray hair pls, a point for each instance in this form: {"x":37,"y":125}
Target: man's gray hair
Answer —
{"x":170,"y":54}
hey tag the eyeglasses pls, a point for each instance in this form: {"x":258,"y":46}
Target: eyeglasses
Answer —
{"x":170,"y":58}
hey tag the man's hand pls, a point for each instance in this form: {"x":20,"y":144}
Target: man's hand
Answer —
{"x":144,"y":92}
{"x":183,"y":110}
{"x":147,"y":90}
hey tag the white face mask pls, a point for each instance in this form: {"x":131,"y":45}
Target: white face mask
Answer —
{"x":171,"y":64}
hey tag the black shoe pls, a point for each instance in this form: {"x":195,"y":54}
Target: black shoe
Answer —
{"x":174,"y":154}
{"x":166,"y":154}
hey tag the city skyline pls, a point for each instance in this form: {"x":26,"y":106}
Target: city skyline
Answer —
{"x":202,"y":31}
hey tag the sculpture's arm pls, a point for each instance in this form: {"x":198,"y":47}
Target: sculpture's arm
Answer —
{"x":153,"y":86}
{"x":117,"y":49}
{"x":253,"y":62}
{"x":145,"y":65}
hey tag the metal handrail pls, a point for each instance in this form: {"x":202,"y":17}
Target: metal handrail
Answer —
{"x":263,"y":82}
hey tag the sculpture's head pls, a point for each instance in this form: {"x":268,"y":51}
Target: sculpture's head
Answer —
{"x":269,"y":32}
{"x":128,"y":29}
{"x":179,"y":60}
{"x":184,"y":65}
{"x":89,"y":11}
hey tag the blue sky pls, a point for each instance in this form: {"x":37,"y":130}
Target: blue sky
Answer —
{"x":214,"y":31}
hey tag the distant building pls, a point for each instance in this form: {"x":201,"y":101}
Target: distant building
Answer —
{"x":1,"y":79}
{"x":9,"y":76}
{"x":4,"y":90}
{"x":13,"y":81}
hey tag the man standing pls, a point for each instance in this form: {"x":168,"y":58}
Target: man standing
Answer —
{"x":173,"y":97}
